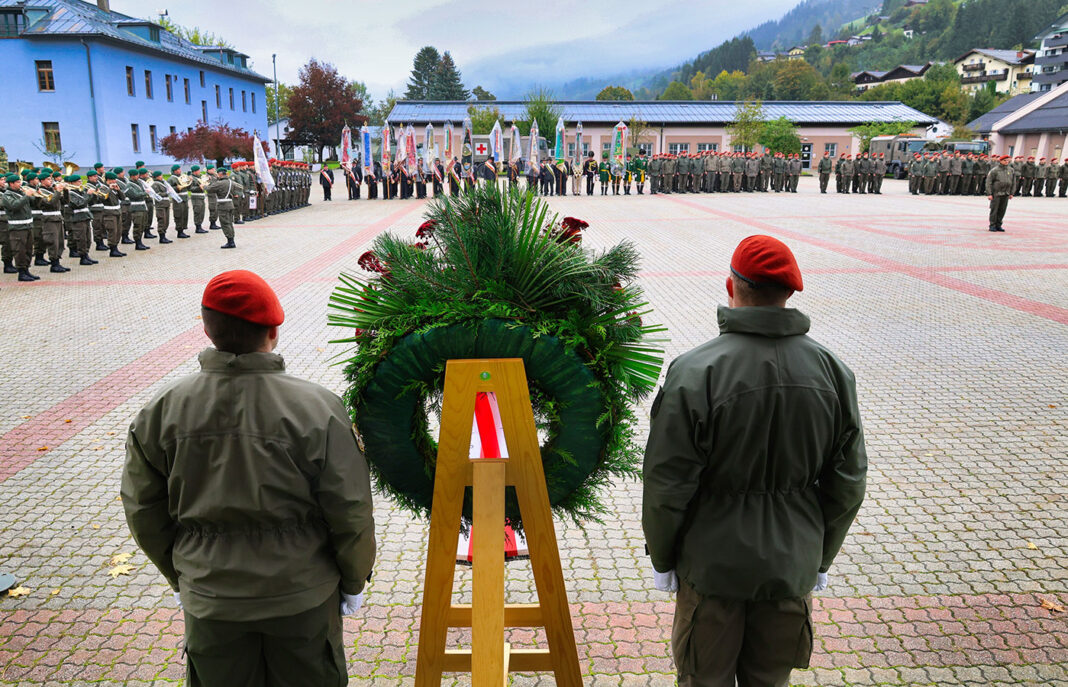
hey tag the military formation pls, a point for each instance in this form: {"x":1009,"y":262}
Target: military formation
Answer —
{"x":44,"y":212}
{"x":961,"y":174}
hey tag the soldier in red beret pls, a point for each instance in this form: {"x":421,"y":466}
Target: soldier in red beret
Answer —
{"x":246,"y":488}
{"x":754,"y":471}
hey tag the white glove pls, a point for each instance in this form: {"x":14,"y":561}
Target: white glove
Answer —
{"x":351,"y":603}
{"x":821,"y":582}
{"x":666,"y":581}
{"x":178,"y":600}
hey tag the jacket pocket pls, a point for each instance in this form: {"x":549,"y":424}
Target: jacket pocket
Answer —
{"x":805,"y":639}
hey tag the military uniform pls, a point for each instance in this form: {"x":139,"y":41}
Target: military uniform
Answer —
{"x":18,"y":207}
{"x":181,"y":209}
{"x":604,"y":174}
{"x":213,"y":208}
{"x":667,"y":173}
{"x":878,"y":174}
{"x":1000,"y":183}
{"x":915,"y":173}
{"x":793,"y":170}
{"x":5,"y":244}
{"x":224,"y":190}
{"x":640,"y":169}
{"x":163,"y":206}
{"x":77,"y":199}
{"x":49,"y":206}
{"x":764,"y":179}
{"x":136,"y":195}
{"x":752,"y":170}
{"x":197,"y":198}
{"x":824,"y":169}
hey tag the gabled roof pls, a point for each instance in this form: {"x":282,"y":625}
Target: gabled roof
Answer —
{"x":907,"y":71}
{"x":877,"y":76}
{"x":985,"y":123}
{"x":1058,"y":26}
{"x":1052,"y":116}
{"x":695,"y":112}
{"x":1006,"y":56}
{"x":78,"y":19}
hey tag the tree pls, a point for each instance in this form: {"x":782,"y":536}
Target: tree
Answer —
{"x":676,"y":91}
{"x":483,"y":118}
{"x":321,"y":105}
{"x":780,"y":136}
{"x":639,"y":131}
{"x":729,"y":85}
{"x":541,"y":107}
{"x":193,"y":35}
{"x":615,"y":93}
{"x":282,"y":100}
{"x":815,"y":37}
{"x":701,"y":87}
{"x":797,"y":80}
{"x":748,"y":124}
{"x":866,"y":132}
{"x":424,"y":73}
{"x":447,"y":84}
{"x":482,"y":94}
{"x":376,"y":116}
{"x":217,"y":142}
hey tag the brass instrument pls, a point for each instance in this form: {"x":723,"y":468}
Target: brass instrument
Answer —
{"x":45,"y":193}
{"x":184,"y":182}
{"x":22,"y":166}
{"x":204,"y":182}
{"x":51,"y":165}
{"x":70,"y":167}
{"x":147,"y":186}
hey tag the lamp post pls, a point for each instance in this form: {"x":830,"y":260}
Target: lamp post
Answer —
{"x":277,"y":137}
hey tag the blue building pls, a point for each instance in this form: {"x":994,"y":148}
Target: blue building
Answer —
{"x":105,"y":87}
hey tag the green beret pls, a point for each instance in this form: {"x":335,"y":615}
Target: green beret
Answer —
{"x":194,"y":168}
{"x":99,"y":165}
{"x":57,"y":175}
{"x":175,"y":168}
{"x":224,"y":170}
{"x":47,"y":174}
{"x":117,"y":170}
{"x":157,"y":174}
{"x":142,"y":172}
{"x":210,"y":166}
{"x":92,"y":173}
{"x":72,"y":179}
{"x":111,"y":176}
{"x":139,"y":164}
{"x":12,"y":178}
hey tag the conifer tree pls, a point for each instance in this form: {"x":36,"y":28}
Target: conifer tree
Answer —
{"x":424,"y":74}
{"x":447,"y":84}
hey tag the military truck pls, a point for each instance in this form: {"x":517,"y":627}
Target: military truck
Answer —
{"x":900,"y":149}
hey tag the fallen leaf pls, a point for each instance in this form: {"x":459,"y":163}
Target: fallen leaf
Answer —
{"x":99,"y":448}
{"x":68,"y":421}
{"x":120,"y":558}
{"x":25,"y":417}
{"x":24,"y":591}
{"x":96,"y":526}
{"x":196,"y":317}
{"x":1031,"y":545}
{"x":120,"y":570}
{"x":53,"y":592}
{"x":111,"y":433}
{"x":320,"y":349}
{"x":1052,"y":405}
{"x":1052,"y":606}
{"x":42,"y":448}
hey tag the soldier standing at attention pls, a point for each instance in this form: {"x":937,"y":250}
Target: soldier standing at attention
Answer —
{"x":1051,"y":178}
{"x":181,"y":209}
{"x":163,"y":206}
{"x":752,"y":170}
{"x":878,"y":174}
{"x":824,"y":170}
{"x":224,"y":191}
{"x":50,"y":204}
{"x":326,"y":180}
{"x":604,"y":174}
{"x":1062,"y":176}
{"x":654,"y":173}
{"x":860,"y":174}
{"x":838,"y":173}
{"x":1000,"y":183}
{"x":640,"y":168}
{"x":764,"y":180}
{"x":77,"y":199}
{"x":1041,"y":172}
{"x":246,"y":488}
{"x":793,"y":167}
{"x":213,"y":209}
{"x":956,"y":171}
{"x":135,"y":194}
{"x":754,"y":470}
{"x":197,"y":196}
{"x":967,"y":167}
{"x":17,"y":206}
{"x":113,"y":214}
{"x":915,"y":173}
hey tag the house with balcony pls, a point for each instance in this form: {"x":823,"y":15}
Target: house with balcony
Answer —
{"x":1009,"y":70}
{"x":899,"y":74}
{"x":1051,"y":62}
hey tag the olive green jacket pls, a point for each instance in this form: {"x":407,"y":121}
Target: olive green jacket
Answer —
{"x":246,"y":488}
{"x":755,"y":465}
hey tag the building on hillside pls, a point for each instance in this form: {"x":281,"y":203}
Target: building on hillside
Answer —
{"x":766,"y":56}
{"x":1051,"y":62}
{"x":105,"y":87}
{"x":831,"y":44}
{"x":1029,"y":124}
{"x":1009,"y":70}
{"x":900,"y":74}
{"x":686,"y":126}
{"x":914,"y":3}
{"x":796,"y":53}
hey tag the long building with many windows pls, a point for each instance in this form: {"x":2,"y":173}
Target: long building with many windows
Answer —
{"x":682,"y":126}
{"x":103,"y":86}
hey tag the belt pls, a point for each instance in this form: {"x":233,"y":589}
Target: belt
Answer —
{"x":36,"y":212}
{"x":112,"y":207}
{"x":54,"y":213}
{"x":13,"y":222}
{"x":227,"y":200}
{"x":138,"y":203}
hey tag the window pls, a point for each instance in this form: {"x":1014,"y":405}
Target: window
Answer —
{"x":46,"y":83}
{"x":12,"y":22}
{"x":130,"y":81}
{"x":152,"y":136}
{"x":646,"y":148}
{"x":135,"y":135}
{"x":218,"y":96}
{"x":253,"y":102}
{"x":244,"y":101}
{"x":170,"y":89}
{"x":231,"y":98}
{"x":702,"y":147}
{"x":186,"y":84}
{"x":832,"y":149}
{"x":174,"y":130}
{"x":148,"y":84}
{"x":203,"y":111}
{"x":51,"y":137}
{"x":202,"y":78}
{"x":742,"y":149}
{"x":571,"y":151}
{"x":676,"y":148}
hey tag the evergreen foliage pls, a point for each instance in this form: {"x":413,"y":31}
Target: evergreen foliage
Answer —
{"x":615,"y":93}
{"x":730,"y":55}
{"x":541,"y":107}
{"x":676,"y":91}
{"x":447,"y":84}
{"x":424,"y":74}
{"x":780,"y":135}
{"x":748,"y":124}
{"x":480,"y":93}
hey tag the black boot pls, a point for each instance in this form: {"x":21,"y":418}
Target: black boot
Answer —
{"x":229,"y":244}
{"x":24,"y":275}
{"x":240,"y":221}
{"x":201,"y":230}
{"x":40,"y":261}
{"x":164,"y":239}
{"x":86,"y":260}
{"x":8,"y":267}
{"x":126,"y":240}
{"x":56,"y":267}
{"x":73,"y":253}
{"x":182,"y":235}
{"x":213,"y":226}
{"x":140,"y":245}
{"x":116,"y":253}
{"x":148,"y":234}
{"x":100,"y":245}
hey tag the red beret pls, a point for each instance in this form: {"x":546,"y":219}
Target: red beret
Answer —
{"x":244,"y":295}
{"x":761,"y":259}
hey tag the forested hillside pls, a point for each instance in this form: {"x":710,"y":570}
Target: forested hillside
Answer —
{"x":796,"y":25}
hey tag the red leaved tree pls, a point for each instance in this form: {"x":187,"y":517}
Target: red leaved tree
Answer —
{"x":217,"y":142}
{"x":321,"y":105}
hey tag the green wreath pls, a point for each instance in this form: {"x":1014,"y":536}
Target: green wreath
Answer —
{"x":494,"y":276}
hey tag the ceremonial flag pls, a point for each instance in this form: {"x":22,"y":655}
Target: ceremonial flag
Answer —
{"x":516,"y":151}
{"x":429,"y":147}
{"x":497,"y":141}
{"x":365,"y":151}
{"x":578,"y":145}
{"x":263,"y":170}
{"x":346,"y":144}
{"x":449,"y":152}
{"x":402,"y":149}
{"x":561,"y":133}
{"x":533,"y":144}
{"x":385,"y":148}
{"x":467,"y":152}
{"x":618,"y":159}
{"x":410,"y":154}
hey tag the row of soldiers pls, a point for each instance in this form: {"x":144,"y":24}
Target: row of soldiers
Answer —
{"x":725,"y":172}
{"x":41,"y":211}
{"x":964,"y":174}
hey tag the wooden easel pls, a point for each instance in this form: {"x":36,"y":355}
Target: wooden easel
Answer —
{"x":491,"y":659}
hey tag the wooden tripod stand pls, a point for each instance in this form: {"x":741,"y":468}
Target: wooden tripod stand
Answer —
{"x":491,"y":658}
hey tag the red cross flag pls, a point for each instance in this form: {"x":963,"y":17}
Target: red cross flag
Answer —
{"x":481,"y":148}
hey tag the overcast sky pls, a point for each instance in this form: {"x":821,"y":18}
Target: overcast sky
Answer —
{"x":496,"y":44}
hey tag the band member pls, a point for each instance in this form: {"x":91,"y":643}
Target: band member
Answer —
{"x":454,"y":177}
{"x":489,"y":171}
{"x":326,"y":180}
{"x":513,"y":173}
{"x":533,"y":174}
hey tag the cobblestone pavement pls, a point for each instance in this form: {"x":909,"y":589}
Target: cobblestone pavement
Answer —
{"x":955,"y":573}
